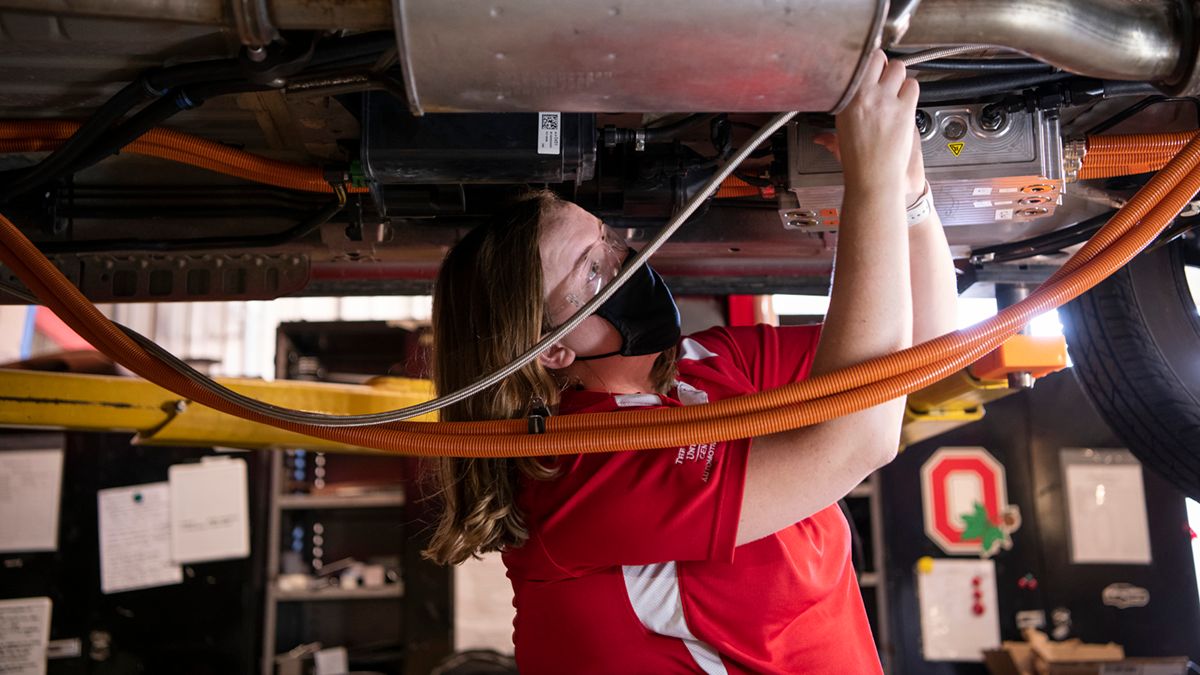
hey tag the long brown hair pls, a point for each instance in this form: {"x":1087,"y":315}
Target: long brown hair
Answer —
{"x":488,"y":308}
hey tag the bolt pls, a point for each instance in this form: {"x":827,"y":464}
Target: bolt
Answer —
{"x":992,"y":118}
{"x":924,"y":122}
{"x":1022,"y":380}
{"x":257,"y":53}
{"x":954,"y":128}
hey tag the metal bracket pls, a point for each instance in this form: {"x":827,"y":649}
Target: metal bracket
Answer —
{"x":252,"y":20}
{"x":159,"y":278}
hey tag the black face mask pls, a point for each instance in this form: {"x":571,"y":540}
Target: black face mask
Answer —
{"x":643,"y":312}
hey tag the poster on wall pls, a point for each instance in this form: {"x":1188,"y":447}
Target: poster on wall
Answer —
{"x":210,"y":512}
{"x":24,"y":635}
{"x":1106,"y":507}
{"x":964,"y":499}
{"x":959,"y":616}
{"x":30,"y":490}
{"x":135,"y":538}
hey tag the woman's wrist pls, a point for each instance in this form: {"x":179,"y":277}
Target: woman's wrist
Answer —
{"x":914,"y":189}
{"x":920,"y":208}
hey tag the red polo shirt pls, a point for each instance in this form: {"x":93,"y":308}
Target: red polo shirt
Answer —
{"x":631,"y":565}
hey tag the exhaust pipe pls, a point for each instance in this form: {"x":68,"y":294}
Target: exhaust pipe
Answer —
{"x":1105,"y":39}
{"x":255,"y":22}
{"x":692,"y":55}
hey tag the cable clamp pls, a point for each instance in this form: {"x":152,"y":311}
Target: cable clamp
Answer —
{"x":538,"y":414}
{"x":183,"y":102}
{"x":148,"y":86}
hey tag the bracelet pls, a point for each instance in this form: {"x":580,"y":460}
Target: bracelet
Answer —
{"x":920,"y":209}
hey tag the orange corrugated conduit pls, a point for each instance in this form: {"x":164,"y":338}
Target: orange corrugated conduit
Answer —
{"x":789,"y":407}
{"x":1129,"y":154}
{"x":809,"y":402}
{"x":44,"y":135}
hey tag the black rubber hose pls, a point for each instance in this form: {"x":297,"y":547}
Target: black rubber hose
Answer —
{"x":158,"y":82}
{"x":149,"y":86}
{"x":153,"y":115}
{"x":984,"y":85}
{"x":1044,"y":243}
{"x":161,"y":80}
{"x":293,"y":233}
{"x":1136,"y":108}
{"x":984,"y":66}
{"x":353,"y":48}
{"x":130,"y":96}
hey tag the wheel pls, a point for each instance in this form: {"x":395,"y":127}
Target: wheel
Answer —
{"x":1135,"y":343}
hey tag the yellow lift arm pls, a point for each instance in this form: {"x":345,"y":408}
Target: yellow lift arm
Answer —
{"x":159,"y":417}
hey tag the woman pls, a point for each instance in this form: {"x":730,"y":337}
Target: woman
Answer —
{"x":719,"y":557}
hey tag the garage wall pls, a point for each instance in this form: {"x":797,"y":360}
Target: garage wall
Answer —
{"x":1025,"y":432}
{"x":237,"y":339}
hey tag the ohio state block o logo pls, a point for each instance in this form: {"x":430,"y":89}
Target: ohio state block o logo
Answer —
{"x":963,"y":493}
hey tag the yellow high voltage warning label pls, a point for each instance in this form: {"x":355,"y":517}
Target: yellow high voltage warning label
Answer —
{"x":956,"y":148}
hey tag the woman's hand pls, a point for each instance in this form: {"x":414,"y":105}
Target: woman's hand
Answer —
{"x":877,"y":142}
{"x":914,"y":177}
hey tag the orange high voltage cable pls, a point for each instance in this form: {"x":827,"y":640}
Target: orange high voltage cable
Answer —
{"x":618,"y":435}
{"x":1129,"y":154}
{"x":824,"y":397}
{"x":44,"y":135}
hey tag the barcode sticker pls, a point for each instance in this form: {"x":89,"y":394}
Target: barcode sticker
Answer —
{"x":549,"y":134}
{"x":1004,"y":214}
{"x":981,"y":192}
{"x":983,"y":204}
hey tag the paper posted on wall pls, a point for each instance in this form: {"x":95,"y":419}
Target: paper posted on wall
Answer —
{"x":24,"y":634}
{"x":959,"y":613}
{"x":135,"y":538}
{"x":30,"y":492}
{"x":210,"y":512}
{"x":1106,"y":507}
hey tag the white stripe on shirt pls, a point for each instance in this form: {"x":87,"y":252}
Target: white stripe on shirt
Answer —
{"x":694,"y":351}
{"x":654,"y":593}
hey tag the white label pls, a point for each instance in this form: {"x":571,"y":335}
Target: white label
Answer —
{"x":1009,"y":189}
{"x":1002,"y":202}
{"x":1124,"y":596}
{"x":981,"y":192}
{"x":66,"y":648}
{"x":1031,"y":618}
{"x":549,"y":133}
{"x":1004,"y":214}
{"x":983,"y":205}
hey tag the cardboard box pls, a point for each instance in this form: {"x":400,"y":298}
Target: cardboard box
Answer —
{"x":1041,"y":656}
{"x":1013,"y":658}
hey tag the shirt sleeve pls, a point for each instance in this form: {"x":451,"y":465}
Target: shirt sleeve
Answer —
{"x":771,"y":357}
{"x":638,"y":508}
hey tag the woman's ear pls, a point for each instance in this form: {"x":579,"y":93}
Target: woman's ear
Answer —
{"x":557,"y":357}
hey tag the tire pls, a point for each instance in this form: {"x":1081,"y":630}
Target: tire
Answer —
{"x":1135,"y":343}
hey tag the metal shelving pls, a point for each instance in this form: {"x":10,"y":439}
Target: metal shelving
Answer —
{"x":387,"y":592}
{"x":379,"y":500}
